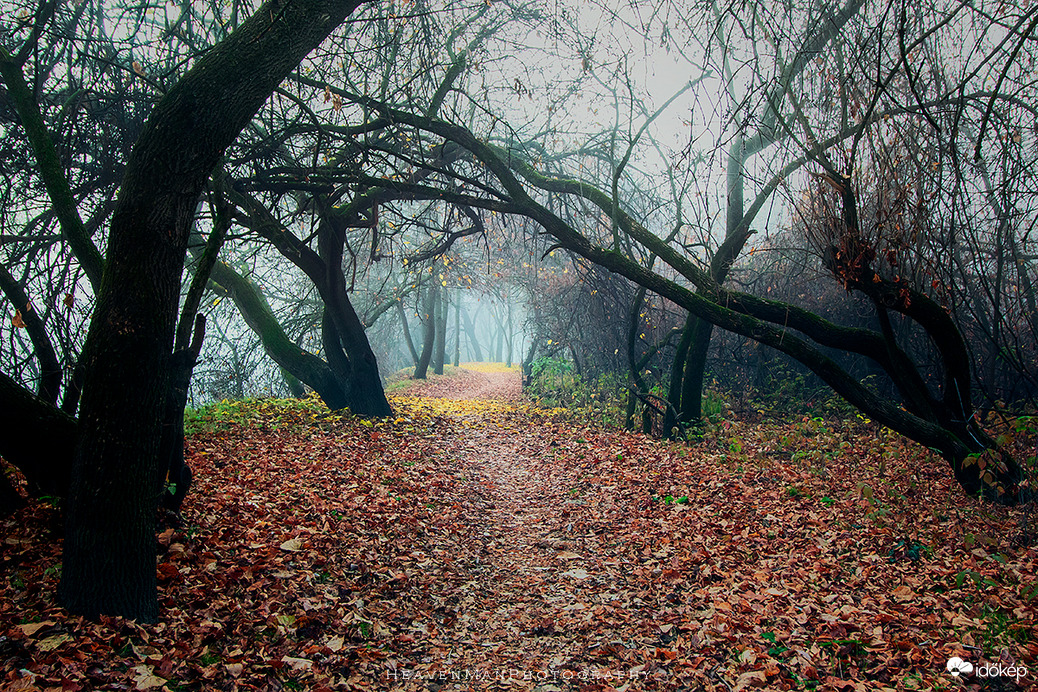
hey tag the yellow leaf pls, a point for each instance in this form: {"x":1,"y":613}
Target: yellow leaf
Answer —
{"x":17,"y":320}
{"x":51,"y":643}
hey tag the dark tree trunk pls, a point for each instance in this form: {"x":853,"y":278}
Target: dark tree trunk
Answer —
{"x":36,"y":437}
{"x":457,"y":333}
{"x":187,"y":345}
{"x":70,"y":401}
{"x":691,"y":410}
{"x":431,"y":304}
{"x":365,"y":394}
{"x":440,"y":348}
{"x":178,"y":474}
{"x":677,"y":373}
{"x":308,"y":368}
{"x":109,"y":549}
{"x":636,"y":365}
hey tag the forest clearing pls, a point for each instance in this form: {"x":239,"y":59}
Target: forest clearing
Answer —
{"x":476,"y":542}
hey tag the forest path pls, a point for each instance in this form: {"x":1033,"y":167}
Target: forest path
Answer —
{"x":535,"y":576}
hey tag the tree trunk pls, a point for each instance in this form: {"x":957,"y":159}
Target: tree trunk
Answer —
{"x":178,"y":474}
{"x":635,"y":366}
{"x":691,"y":410}
{"x":407,"y":332}
{"x":431,"y":304}
{"x":187,"y":345}
{"x":108,"y":555}
{"x":365,"y":395}
{"x":457,"y":333}
{"x":470,"y":329}
{"x":677,"y":374}
{"x":36,"y":437}
{"x":440,"y":349}
{"x":306,"y":367}
{"x":510,"y":336}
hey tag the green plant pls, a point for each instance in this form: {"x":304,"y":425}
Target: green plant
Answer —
{"x":1000,"y":625}
{"x":713,"y":404}
{"x":253,"y":413}
{"x":554,"y":384}
{"x":776,"y":649}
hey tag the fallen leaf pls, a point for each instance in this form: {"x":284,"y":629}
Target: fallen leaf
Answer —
{"x":146,"y":679}
{"x":34,"y":627}
{"x":292,"y":545}
{"x":51,"y":643}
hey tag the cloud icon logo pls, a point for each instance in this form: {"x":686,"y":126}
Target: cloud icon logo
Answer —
{"x":956,"y":666}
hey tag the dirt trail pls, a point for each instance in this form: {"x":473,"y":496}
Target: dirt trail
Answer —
{"x":538,"y":572}
{"x":474,"y":385}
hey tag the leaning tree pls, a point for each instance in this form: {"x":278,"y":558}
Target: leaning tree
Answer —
{"x":127,"y":359}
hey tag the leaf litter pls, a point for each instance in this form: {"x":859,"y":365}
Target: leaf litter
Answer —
{"x":474,"y":542}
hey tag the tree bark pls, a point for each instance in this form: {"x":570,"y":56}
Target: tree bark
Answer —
{"x":364,"y":392}
{"x":407,"y":332}
{"x":457,"y":333}
{"x":440,"y":348}
{"x":470,"y":329}
{"x":431,"y":304}
{"x":177,"y":479}
{"x":109,"y":549}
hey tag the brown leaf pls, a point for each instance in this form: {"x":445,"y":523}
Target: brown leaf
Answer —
{"x":34,"y":627}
